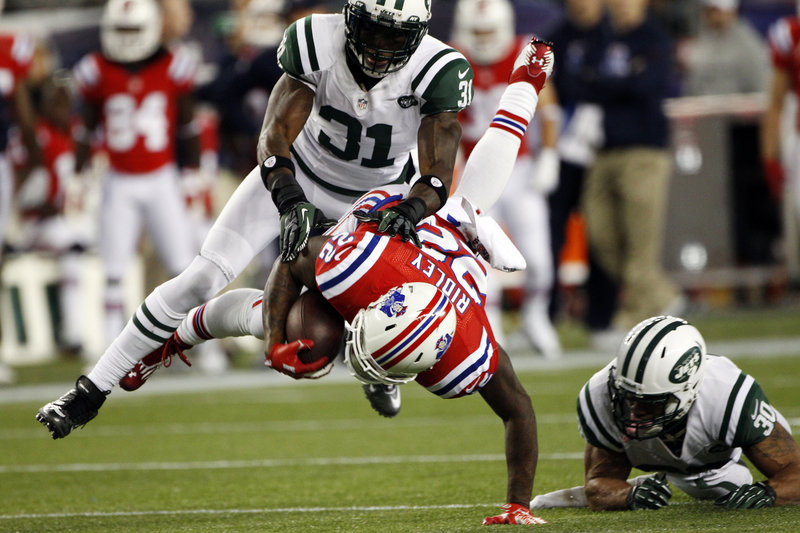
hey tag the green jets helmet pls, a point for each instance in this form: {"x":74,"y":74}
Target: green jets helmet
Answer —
{"x":382,"y":34}
{"x":656,"y":376}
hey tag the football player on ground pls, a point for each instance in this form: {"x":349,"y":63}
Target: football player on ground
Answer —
{"x":362,"y":90}
{"x":139,"y":93}
{"x":374,"y":279}
{"x":664,"y":405}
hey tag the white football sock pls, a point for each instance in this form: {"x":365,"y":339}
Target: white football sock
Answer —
{"x":491,"y":162}
{"x":236,"y":313}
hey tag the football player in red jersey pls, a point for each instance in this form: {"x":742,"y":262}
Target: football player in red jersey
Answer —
{"x":16,"y":55}
{"x":357,"y":262}
{"x":42,"y":200}
{"x":139,"y":93}
{"x":783,"y":40}
{"x":485,"y":33}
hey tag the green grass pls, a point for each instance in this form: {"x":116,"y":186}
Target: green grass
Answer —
{"x":314,"y":457}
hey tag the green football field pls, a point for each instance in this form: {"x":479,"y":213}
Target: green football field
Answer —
{"x":254,"y":451}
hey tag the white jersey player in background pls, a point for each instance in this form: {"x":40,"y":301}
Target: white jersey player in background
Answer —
{"x":362,"y":90}
{"x":664,"y":405}
{"x":485,"y":32}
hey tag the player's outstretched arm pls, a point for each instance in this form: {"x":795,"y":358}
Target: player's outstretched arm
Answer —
{"x":289,"y":107}
{"x":508,"y":399}
{"x":283,"y":287}
{"x":778,"y":458}
{"x":437,"y":141}
{"x":606,"y":485}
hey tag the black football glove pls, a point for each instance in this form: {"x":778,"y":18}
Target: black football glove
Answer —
{"x":752,"y":496}
{"x":400,"y":219}
{"x":298,"y":223}
{"x":653,"y":493}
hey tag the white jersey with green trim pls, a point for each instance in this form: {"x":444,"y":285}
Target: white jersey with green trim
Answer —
{"x":356,"y":140}
{"x":730,"y":412}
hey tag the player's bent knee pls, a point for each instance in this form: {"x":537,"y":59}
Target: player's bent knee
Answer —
{"x":200,"y":282}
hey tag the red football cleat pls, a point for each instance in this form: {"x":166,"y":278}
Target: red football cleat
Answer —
{"x":153,"y":361}
{"x":534,"y":64}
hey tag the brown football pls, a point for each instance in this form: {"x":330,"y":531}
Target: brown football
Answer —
{"x":312,"y":317}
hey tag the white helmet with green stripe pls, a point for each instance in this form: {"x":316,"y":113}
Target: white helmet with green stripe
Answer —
{"x":382,"y":34}
{"x":656,"y":376}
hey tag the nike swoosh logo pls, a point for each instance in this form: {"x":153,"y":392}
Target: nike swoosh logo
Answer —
{"x":462,"y":74}
{"x":303,"y":212}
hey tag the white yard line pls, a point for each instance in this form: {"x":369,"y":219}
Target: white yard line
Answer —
{"x":166,"y":382}
{"x":269,"y":463}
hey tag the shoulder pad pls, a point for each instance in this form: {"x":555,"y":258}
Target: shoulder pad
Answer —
{"x":309,"y":44}
{"x":443,"y":79}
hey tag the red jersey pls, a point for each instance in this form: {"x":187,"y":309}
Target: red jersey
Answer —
{"x":139,"y":107}
{"x":356,"y":266}
{"x":58,"y":156}
{"x":784,"y":45}
{"x":489,"y":83}
{"x":16,"y":54}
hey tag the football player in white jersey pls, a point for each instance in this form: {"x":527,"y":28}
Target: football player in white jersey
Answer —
{"x":362,"y":92}
{"x":664,"y":405}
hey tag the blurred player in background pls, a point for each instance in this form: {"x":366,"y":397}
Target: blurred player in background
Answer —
{"x":16,"y":54}
{"x":430,"y":284}
{"x":138,"y":93}
{"x":783,"y":39}
{"x":361,"y":91}
{"x":485,"y":32}
{"x":198,"y":182}
{"x":664,"y":405}
{"x":41,"y":202}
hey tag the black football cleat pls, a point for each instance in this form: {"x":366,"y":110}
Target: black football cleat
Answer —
{"x":74,"y":409}
{"x":385,"y":399}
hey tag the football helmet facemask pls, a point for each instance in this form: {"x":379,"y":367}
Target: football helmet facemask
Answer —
{"x":485,"y":30}
{"x":130,"y":30}
{"x":404,"y":332}
{"x":656,"y":376}
{"x":381,"y":36}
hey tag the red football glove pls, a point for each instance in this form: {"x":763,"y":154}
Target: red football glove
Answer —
{"x":514,"y":514}
{"x":534,"y":64}
{"x":773,"y":174}
{"x":283,"y":358}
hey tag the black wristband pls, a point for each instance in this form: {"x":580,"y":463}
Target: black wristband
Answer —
{"x":412,"y":208}
{"x":286,"y":192}
{"x":437,"y":185}
{"x":274,"y":162}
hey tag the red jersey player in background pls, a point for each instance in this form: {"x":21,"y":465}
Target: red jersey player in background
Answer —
{"x":784,"y":45}
{"x":138,"y":93}
{"x":16,"y":54}
{"x":430,"y":284}
{"x":484,"y":32}
{"x":41,"y":202}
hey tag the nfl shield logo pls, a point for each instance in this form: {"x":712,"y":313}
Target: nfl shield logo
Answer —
{"x":362,"y":104}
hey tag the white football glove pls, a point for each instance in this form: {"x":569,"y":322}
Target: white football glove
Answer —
{"x":545,"y":174}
